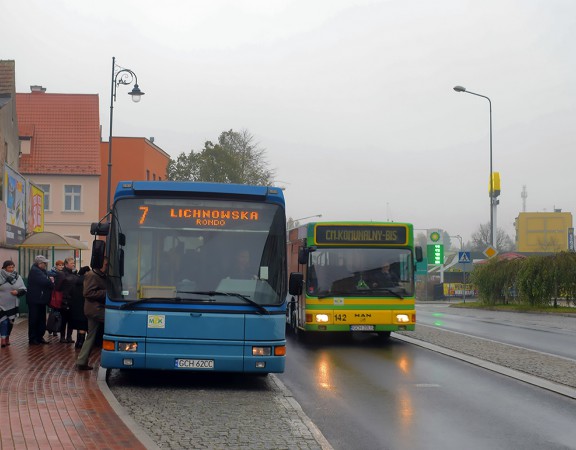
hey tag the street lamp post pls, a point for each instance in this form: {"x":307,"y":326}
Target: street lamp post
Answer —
{"x":302,"y":218}
{"x":308,"y":217}
{"x":126,"y":77}
{"x":491,"y":193}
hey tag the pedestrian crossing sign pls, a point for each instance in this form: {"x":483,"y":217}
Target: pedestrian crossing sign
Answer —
{"x":464,"y":257}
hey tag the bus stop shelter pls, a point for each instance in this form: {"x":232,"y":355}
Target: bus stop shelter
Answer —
{"x":52,"y":246}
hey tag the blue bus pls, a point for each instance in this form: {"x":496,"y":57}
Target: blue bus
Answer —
{"x":176,"y":297}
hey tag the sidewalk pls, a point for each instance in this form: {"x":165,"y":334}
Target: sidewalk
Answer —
{"x":46,"y":403}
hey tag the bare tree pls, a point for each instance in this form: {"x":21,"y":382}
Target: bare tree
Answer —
{"x":481,"y":239}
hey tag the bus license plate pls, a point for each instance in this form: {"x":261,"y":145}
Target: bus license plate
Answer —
{"x":194,"y":364}
{"x":361,"y":327}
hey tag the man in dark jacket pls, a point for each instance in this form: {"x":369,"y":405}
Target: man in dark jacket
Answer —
{"x":95,"y":299}
{"x":40,"y":287}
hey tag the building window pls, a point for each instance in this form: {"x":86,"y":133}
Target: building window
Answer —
{"x":147,"y":175}
{"x":154,"y":176}
{"x":46,"y":189}
{"x":72,"y":193}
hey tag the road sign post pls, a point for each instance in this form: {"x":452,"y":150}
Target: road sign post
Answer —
{"x":464,"y":258}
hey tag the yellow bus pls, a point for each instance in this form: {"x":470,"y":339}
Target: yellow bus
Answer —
{"x":352,"y":277}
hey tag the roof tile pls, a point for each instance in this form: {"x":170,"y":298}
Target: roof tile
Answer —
{"x":65,"y":131}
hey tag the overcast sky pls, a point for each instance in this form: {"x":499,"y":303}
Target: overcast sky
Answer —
{"x":353,"y":100}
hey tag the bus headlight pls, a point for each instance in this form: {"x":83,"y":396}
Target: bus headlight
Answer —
{"x":322,"y":318}
{"x":261,"y":351}
{"x":402,"y":318}
{"x":127,"y":346}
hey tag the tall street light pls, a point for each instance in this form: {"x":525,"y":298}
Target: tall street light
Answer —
{"x":294,"y":221}
{"x":122,"y":76}
{"x":307,"y":217}
{"x":491,"y":193}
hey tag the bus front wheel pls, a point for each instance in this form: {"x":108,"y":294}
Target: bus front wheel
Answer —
{"x":294,"y":323}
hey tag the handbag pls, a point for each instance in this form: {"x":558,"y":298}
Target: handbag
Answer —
{"x":56,"y":299}
{"x":54,"y":321}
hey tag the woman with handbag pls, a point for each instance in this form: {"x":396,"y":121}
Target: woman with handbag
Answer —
{"x":56,"y":300}
{"x":11,"y":287}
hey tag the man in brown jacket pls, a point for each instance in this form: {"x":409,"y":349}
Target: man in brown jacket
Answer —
{"x":95,"y":298}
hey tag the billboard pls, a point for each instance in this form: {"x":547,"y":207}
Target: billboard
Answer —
{"x":35,"y":209}
{"x":14,"y":194}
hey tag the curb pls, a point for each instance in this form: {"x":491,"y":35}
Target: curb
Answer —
{"x":521,"y":376}
{"x":322,"y":441}
{"x":140,"y":434}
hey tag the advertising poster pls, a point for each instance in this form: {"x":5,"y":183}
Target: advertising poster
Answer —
{"x":15,"y":198}
{"x":35,"y":222}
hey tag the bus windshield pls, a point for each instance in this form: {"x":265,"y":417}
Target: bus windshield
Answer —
{"x":370,"y":272}
{"x":197,"y":250}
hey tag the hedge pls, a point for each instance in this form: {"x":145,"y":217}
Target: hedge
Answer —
{"x":534,"y":281}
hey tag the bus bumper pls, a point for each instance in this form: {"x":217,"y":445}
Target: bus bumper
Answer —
{"x":179,"y":354}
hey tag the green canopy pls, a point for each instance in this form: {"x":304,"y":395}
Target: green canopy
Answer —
{"x":46,"y":239}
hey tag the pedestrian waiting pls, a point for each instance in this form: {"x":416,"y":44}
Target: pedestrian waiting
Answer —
{"x":95,"y":295}
{"x":73,"y":303}
{"x":39,"y":293}
{"x":11,"y":287}
{"x":56,"y":300}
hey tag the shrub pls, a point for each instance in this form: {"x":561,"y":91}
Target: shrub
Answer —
{"x":535,"y":281}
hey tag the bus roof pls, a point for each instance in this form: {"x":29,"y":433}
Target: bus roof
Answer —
{"x":191,"y":188}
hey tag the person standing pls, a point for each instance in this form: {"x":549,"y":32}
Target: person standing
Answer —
{"x":95,"y":298}
{"x":56,"y":300}
{"x":11,"y":287}
{"x":40,"y":287}
{"x":71,"y":286}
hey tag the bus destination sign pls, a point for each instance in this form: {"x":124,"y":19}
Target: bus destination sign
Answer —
{"x":361,"y":234}
{"x":197,"y":216}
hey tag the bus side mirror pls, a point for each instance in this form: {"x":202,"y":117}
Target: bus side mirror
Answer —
{"x":302,"y":255}
{"x":295,"y":283}
{"x":97,"y":258}
{"x":418,"y":251}
{"x":99,"y":228}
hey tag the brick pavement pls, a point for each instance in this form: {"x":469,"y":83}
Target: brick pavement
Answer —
{"x":46,"y":403}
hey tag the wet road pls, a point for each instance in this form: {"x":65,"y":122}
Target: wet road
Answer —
{"x":558,"y":339}
{"x":362,"y":394}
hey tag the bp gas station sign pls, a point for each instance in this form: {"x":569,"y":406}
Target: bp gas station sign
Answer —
{"x":435,"y":248}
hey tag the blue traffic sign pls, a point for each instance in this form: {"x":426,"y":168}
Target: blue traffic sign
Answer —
{"x":464,"y":257}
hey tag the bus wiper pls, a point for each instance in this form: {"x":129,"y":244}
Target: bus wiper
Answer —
{"x":325,"y":294}
{"x":130,"y":304}
{"x":363,"y":291}
{"x":243,"y":297}
{"x":390,"y":291}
